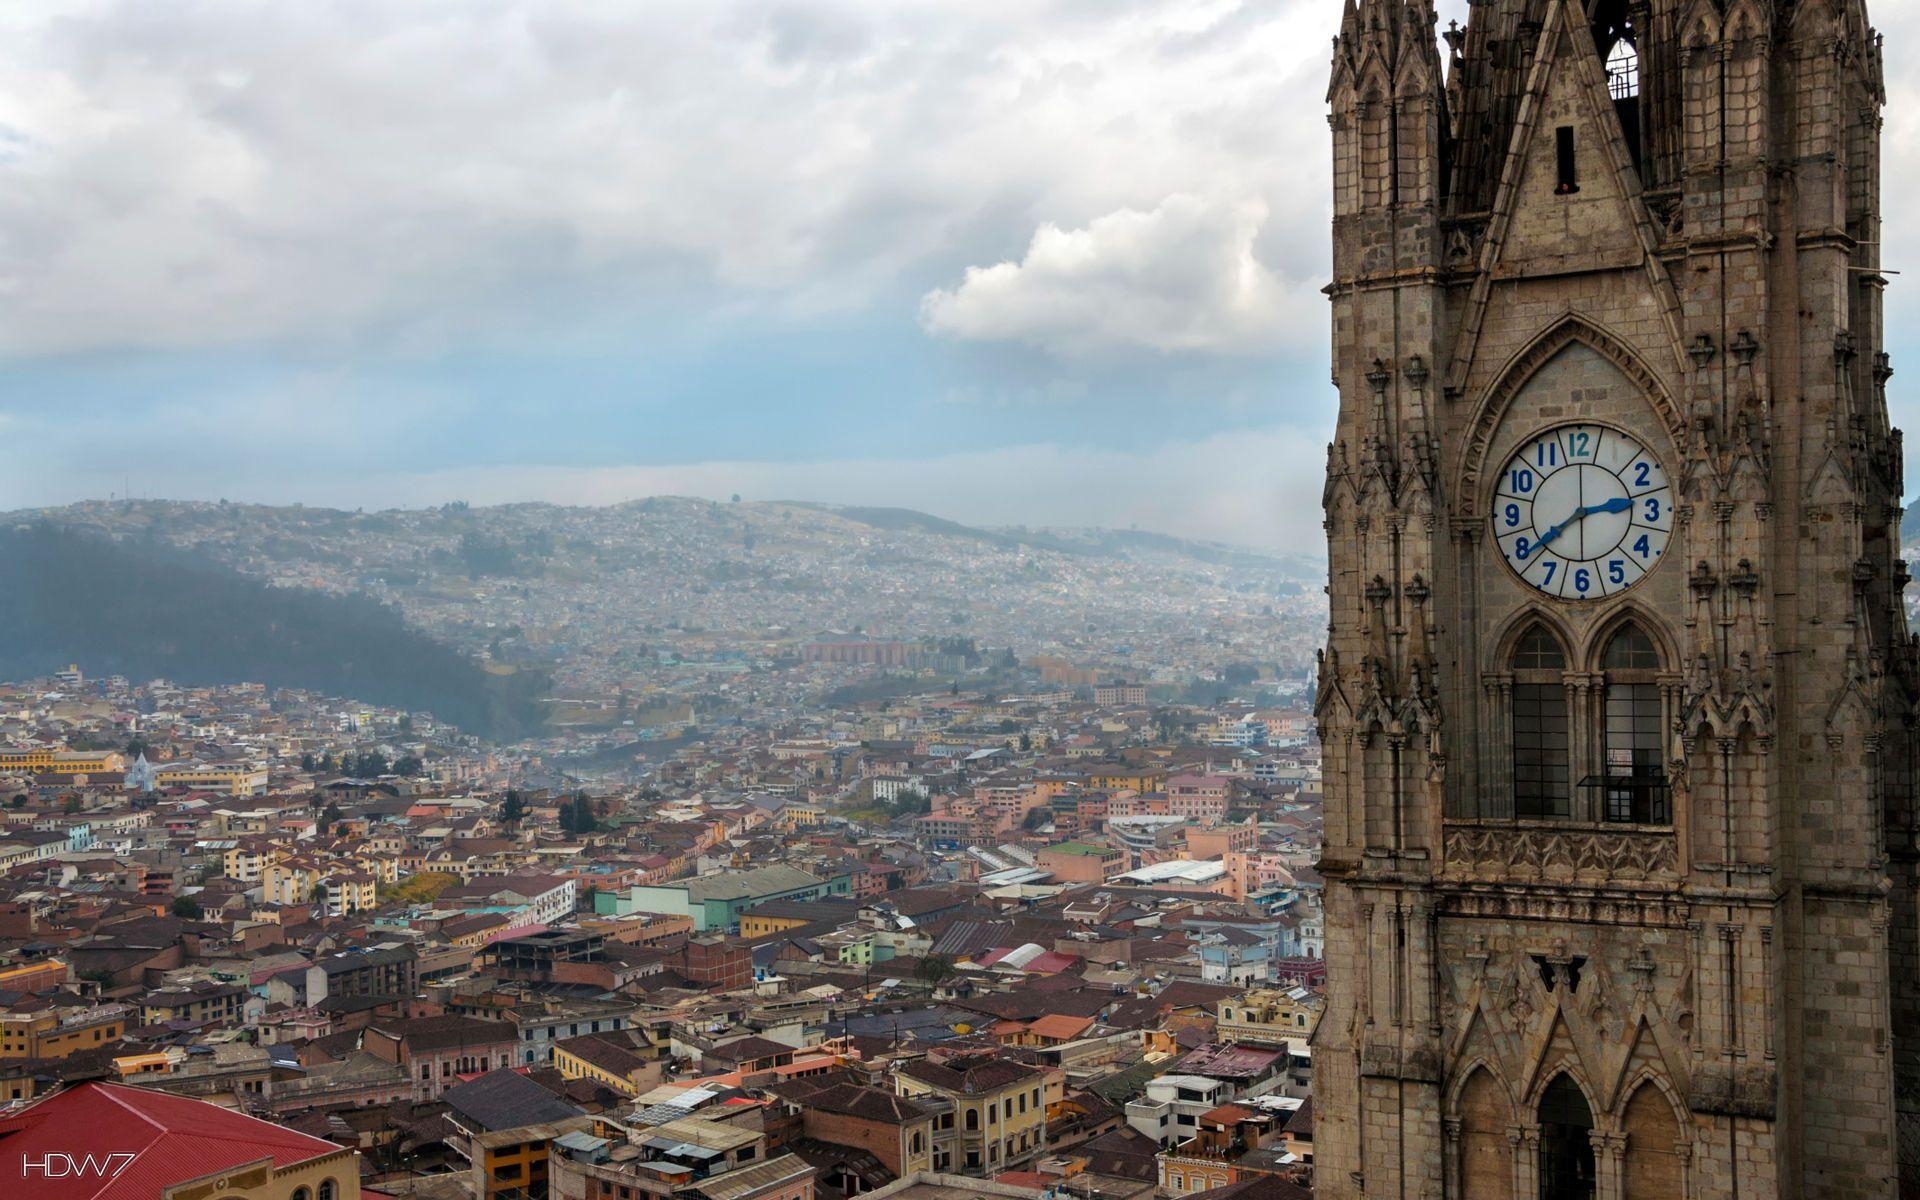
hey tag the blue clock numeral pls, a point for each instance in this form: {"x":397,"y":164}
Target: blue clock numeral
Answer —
{"x":1521,"y":549}
{"x":1547,"y":454}
{"x":1513,"y":516}
{"x":1577,"y":444}
{"x":1551,"y":564}
{"x":1582,"y":580}
{"x":1617,"y":570}
{"x":1653,"y":509}
{"x":1641,"y":547}
{"x":1522,"y":480}
{"x":1642,"y":475}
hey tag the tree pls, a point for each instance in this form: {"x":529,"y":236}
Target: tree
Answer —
{"x":368,"y":765}
{"x":935,"y":969}
{"x":910,"y":802}
{"x":1240,"y":674}
{"x":512,"y":809}
{"x":187,"y":908}
{"x":20,"y":800}
{"x":330,"y":814}
{"x":576,"y":815}
{"x":70,"y":805}
{"x":408,"y":766}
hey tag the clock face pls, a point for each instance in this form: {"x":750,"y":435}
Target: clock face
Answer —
{"x":1582,"y":511}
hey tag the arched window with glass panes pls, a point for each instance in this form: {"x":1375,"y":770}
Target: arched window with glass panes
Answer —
{"x":1631,"y":783}
{"x":1542,"y":759}
{"x":1587,"y":748}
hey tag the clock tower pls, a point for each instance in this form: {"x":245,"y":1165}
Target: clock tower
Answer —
{"x":1618,"y":697}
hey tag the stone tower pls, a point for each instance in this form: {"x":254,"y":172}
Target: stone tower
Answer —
{"x":1618,"y":695}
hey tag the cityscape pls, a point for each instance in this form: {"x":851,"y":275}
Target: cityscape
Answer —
{"x":810,"y":901}
{"x":945,"y":602}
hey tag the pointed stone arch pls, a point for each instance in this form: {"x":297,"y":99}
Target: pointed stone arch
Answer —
{"x":1464,"y":1075}
{"x":1851,"y":708}
{"x":1523,"y":366}
{"x":1507,"y":638}
{"x":1482,"y":1104}
{"x":1745,"y":22}
{"x":1592,"y":650}
{"x":1557,"y":1052}
{"x":1700,"y":26}
{"x":1656,"y":1127}
{"x":1567,"y":1120}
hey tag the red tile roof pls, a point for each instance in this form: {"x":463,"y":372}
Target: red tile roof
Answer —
{"x":171,"y":1139}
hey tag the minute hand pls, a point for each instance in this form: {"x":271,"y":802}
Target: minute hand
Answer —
{"x":1618,"y":504}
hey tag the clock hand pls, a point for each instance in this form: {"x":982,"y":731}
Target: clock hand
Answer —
{"x":1618,"y":504}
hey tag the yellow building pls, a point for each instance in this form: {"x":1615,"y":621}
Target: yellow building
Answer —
{"x":61,"y":762}
{"x":1137,"y":779}
{"x":753,"y":924}
{"x":195,"y":1003}
{"x":998,"y":1116}
{"x":235,"y":779}
{"x":42,"y":975}
{"x":591,"y":1056}
{"x":793,"y":816}
{"x":1266,"y":1017}
{"x":510,"y":1162}
{"x":1185,"y":1173}
{"x":52,"y":1034}
{"x":290,"y":881}
{"x":243,"y":863}
{"x":351,"y":892}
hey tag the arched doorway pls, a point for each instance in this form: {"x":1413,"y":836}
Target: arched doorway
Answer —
{"x":1566,"y":1142}
{"x":1486,"y":1152}
{"x":1652,"y":1170}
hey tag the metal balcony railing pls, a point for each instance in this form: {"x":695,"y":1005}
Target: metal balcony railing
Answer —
{"x":1630,"y":799}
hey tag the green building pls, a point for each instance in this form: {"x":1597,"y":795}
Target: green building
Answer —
{"x":716,"y":901}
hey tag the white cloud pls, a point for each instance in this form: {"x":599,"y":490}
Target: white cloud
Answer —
{"x":1183,"y":277}
{"x":215,"y":172}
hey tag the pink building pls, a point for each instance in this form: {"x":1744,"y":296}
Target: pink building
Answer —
{"x":1200,"y":798}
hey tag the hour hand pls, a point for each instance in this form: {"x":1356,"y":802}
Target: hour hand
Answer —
{"x":1618,"y":504}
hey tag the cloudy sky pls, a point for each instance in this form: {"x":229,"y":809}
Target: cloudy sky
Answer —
{"x":1040,"y":261}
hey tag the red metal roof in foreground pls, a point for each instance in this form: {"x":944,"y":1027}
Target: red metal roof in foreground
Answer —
{"x":59,"y":1148}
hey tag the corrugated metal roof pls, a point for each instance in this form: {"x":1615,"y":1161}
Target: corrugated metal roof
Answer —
{"x":171,"y":1138}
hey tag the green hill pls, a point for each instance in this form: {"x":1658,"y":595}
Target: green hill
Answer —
{"x":146,"y":610}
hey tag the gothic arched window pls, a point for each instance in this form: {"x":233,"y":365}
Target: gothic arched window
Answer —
{"x":1540,"y":742}
{"x":1623,"y":71}
{"x":1566,"y":1142}
{"x":1633,"y":783}
{"x":1619,"y":45}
